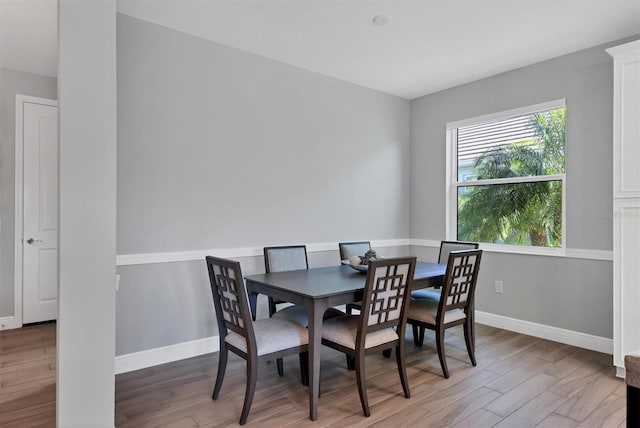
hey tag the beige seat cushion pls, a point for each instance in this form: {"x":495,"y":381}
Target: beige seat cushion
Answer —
{"x":632,"y":369}
{"x":343,"y":330}
{"x":298,"y":314}
{"x":272,"y":335}
{"x":294,"y":313}
{"x":425,"y":310}
{"x":427,"y":293}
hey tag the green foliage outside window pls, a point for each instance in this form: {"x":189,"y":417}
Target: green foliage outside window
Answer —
{"x":520,"y":213}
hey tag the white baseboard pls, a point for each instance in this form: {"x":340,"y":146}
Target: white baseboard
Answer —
{"x":166,"y":354}
{"x":8,"y":323}
{"x":180,"y":351}
{"x":569,"y":337}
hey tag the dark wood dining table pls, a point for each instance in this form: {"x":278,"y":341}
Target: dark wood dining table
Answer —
{"x":317,"y":290}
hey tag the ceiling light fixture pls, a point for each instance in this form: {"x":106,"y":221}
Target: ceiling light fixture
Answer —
{"x":380,"y":20}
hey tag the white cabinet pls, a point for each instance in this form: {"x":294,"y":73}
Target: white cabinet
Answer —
{"x":626,"y":201}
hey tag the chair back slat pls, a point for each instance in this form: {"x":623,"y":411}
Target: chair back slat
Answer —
{"x":448,"y":246}
{"x":386,"y":289}
{"x":350,"y":249}
{"x":230,"y":297}
{"x":460,"y":280}
{"x":285,"y":258}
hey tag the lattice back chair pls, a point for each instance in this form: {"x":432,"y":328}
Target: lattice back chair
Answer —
{"x":443,"y":257}
{"x":382,"y":322}
{"x":454,"y":307}
{"x":265,"y":339}
{"x":350,"y":249}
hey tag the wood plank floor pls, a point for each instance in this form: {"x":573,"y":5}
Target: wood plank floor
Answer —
{"x":520,"y":381}
{"x":28,"y":377}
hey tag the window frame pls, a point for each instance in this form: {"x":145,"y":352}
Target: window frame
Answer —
{"x":452,"y":183}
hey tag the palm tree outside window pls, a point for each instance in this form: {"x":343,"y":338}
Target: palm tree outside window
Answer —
{"x":508,"y":175}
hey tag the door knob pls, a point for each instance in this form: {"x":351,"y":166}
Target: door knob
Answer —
{"x":31,"y":240}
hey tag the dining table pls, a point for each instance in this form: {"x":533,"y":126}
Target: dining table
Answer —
{"x":317,"y":290}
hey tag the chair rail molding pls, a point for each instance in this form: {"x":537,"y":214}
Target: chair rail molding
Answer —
{"x":191,"y":255}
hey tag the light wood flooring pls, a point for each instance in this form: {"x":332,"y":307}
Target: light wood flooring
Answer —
{"x":520,"y":381}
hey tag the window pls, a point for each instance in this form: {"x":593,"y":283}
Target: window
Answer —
{"x":507,"y":177}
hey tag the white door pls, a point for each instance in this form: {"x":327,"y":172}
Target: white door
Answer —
{"x":40,"y":213}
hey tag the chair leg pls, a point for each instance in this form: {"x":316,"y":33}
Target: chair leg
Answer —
{"x":252,"y":376}
{"x":402,"y":369}
{"x":362,"y":387}
{"x":272,"y":307}
{"x":469,"y":340}
{"x":272,"y":310}
{"x":418,"y":335}
{"x":304,"y":368}
{"x":222,"y":368}
{"x":440,"y":346}
{"x":351,"y":362}
{"x":280,"y":365}
{"x":349,"y":309}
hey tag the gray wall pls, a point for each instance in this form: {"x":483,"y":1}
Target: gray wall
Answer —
{"x":219,"y":148}
{"x":12,"y":82}
{"x":561,"y":292}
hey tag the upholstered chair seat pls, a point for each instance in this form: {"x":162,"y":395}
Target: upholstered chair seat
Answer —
{"x":298,"y":314}
{"x":343,"y":331}
{"x":272,"y":335}
{"x":427,"y":293}
{"x":293,"y":313}
{"x":426,"y":311}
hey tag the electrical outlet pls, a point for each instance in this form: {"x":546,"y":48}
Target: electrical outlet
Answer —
{"x":499,"y":287}
{"x":117,"y":282}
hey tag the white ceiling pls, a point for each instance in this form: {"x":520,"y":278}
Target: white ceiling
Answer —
{"x":427,"y":46}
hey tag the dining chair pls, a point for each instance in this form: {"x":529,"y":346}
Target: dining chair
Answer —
{"x":348,"y":250}
{"x":251,"y":340}
{"x":381,"y":324}
{"x":454,"y":306}
{"x":282,"y":259}
{"x":443,"y":256}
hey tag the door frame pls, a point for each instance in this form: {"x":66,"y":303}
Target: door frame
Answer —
{"x":18,"y":207}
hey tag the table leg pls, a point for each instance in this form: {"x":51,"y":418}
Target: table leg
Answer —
{"x":315,"y":312}
{"x":253,"y":303}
